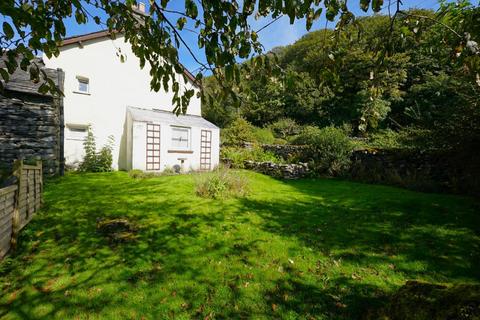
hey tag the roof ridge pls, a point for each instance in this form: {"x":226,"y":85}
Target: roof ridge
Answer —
{"x":164,"y":111}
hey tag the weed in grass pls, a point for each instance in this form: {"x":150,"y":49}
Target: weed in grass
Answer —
{"x":221,"y":183}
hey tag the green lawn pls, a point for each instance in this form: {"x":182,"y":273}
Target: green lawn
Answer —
{"x":309,"y":249}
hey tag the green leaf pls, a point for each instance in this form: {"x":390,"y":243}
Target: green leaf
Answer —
{"x":4,"y":74}
{"x":181,"y":23}
{"x":377,"y":5}
{"x":8,"y":30}
{"x":191,"y":9}
{"x":44,"y":88}
{"x":229,"y":73}
{"x":364,"y":4}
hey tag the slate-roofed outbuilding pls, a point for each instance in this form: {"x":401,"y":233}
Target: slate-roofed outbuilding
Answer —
{"x":31,"y":123}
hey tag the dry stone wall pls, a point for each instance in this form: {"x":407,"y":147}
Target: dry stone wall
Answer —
{"x":30,"y":129}
{"x":283,"y":171}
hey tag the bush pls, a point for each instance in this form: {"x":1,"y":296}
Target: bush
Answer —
{"x":330,"y":149}
{"x":139,"y":174}
{"x":285,"y":128}
{"x":238,"y":156}
{"x":136,"y":174}
{"x":406,"y":138}
{"x":263,"y":135}
{"x":280,"y":141}
{"x":93,"y":161}
{"x":221,"y":183}
{"x":239,"y":131}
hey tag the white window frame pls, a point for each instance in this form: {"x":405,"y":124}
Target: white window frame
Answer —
{"x":189,"y":137}
{"x":84,"y":80}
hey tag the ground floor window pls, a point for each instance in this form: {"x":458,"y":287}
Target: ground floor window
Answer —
{"x":180,"y":138}
{"x":153,"y":146}
{"x":76,"y":132}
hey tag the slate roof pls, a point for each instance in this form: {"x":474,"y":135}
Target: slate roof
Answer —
{"x":170,"y":118}
{"x":20,"y":80}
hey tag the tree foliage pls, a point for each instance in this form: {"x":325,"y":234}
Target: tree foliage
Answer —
{"x":419,"y":73}
{"x":224,"y":33}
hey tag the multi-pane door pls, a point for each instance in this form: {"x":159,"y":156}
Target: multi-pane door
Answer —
{"x":206,"y":150}
{"x":153,"y":146}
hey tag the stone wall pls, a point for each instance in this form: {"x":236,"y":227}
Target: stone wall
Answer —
{"x":283,"y":171}
{"x":287,"y":151}
{"x":30,"y":129}
{"x":432,"y":171}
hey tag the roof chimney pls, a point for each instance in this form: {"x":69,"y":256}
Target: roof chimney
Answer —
{"x":140,"y":7}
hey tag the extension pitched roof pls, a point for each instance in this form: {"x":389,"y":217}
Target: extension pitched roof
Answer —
{"x":104,"y":34}
{"x":170,"y":118}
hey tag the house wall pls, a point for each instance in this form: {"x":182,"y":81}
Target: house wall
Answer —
{"x":113,"y":86}
{"x":169,"y":159}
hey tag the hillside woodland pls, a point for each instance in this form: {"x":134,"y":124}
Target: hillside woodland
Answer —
{"x":400,"y":85}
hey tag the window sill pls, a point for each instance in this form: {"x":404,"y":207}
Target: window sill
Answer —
{"x":180,"y":151}
{"x":84,"y":93}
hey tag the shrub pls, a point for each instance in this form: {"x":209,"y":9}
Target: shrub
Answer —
{"x":104,"y":157}
{"x":136,"y":174}
{"x":263,"y":135}
{"x":93,"y":161}
{"x":330,"y":149}
{"x":90,"y":158}
{"x":280,"y":141}
{"x":221,"y":183}
{"x":239,"y":131}
{"x":238,"y":156}
{"x":285,"y":128}
{"x":406,"y":138}
{"x":139,"y":174}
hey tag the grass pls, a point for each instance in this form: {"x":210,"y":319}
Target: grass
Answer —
{"x":307,"y":249}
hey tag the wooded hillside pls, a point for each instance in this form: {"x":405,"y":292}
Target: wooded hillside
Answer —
{"x":373,"y":75}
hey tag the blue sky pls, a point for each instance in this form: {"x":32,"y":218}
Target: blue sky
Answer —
{"x":280,"y":33}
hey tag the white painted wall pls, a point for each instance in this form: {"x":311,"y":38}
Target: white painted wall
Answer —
{"x":113,"y":87}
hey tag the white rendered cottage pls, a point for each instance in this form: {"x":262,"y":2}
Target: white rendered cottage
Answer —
{"x":115,"y":99}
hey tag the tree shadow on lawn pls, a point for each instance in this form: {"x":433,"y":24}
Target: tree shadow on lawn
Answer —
{"x":65,"y":268}
{"x":192,"y":257}
{"x":371,"y":230}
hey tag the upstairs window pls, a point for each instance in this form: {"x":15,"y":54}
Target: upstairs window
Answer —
{"x":180,"y":138}
{"x":83,"y":85}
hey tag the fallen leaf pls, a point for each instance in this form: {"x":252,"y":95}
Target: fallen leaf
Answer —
{"x":274,"y":307}
{"x":356,"y":276}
